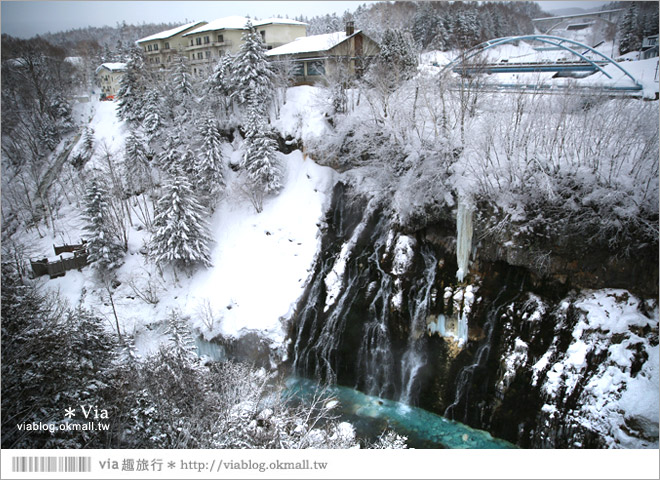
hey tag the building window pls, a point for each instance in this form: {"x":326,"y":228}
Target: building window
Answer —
{"x":221,"y":39}
{"x":298,"y":69}
{"x":149,"y":47}
{"x":316,"y":68}
{"x":263,"y":35}
{"x":156,"y":47}
{"x":169,"y":58}
{"x":198,"y":40}
{"x":208,"y":54}
{"x":192,"y":42}
{"x":167,"y":45}
{"x":199,"y":56}
{"x":207,"y":39}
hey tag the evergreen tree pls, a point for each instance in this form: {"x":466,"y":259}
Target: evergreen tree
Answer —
{"x":630,"y":39}
{"x":181,"y":343}
{"x":88,"y":140}
{"x":104,"y":251}
{"x":181,"y":81}
{"x":130,"y":105}
{"x":253,"y":74}
{"x":398,"y":54}
{"x":137,"y":162}
{"x":181,"y":236}
{"x":220,"y":82}
{"x":169,"y":158}
{"x":209,"y":169}
{"x":260,"y":161}
{"x":152,"y":118}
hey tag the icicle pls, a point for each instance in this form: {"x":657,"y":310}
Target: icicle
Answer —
{"x":464,"y":230}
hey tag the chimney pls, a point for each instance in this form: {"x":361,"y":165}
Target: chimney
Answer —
{"x":350,"y":28}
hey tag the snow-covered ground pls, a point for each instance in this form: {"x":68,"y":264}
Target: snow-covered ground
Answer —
{"x":261,"y":262}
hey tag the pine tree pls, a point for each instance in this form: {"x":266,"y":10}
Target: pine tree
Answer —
{"x":181,"y":81}
{"x":152,"y":119}
{"x":630,"y":39}
{"x":130,"y":105}
{"x":209,"y":169}
{"x":181,"y":343}
{"x":220,"y":82}
{"x":88,"y":140}
{"x":260,"y":161}
{"x":398,"y":54}
{"x":181,"y":237}
{"x":169,"y":159}
{"x":137,"y":164}
{"x":253,"y":74}
{"x":104,"y":251}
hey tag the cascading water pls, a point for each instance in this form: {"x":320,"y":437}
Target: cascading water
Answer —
{"x":464,"y":379}
{"x":419,"y":307}
{"x":375,"y":362}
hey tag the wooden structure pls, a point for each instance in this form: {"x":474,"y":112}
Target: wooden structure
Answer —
{"x":58,"y":268}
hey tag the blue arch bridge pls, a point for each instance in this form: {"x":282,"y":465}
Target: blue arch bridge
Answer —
{"x":584,"y":61}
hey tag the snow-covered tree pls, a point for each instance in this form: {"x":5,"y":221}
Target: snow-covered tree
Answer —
{"x":398,"y":54}
{"x":137,"y":163}
{"x":181,"y":80}
{"x":253,"y":74}
{"x":263,"y":168}
{"x":152,"y":118}
{"x":630,"y":39}
{"x":88,"y":139}
{"x":130,"y":104}
{"x":209,"y":174}
{"x":170,"y":157}
{"x":181,"y":234}
{"x":220,"y":83}
{"x":104,"y":251}
{"x":181,"y":342}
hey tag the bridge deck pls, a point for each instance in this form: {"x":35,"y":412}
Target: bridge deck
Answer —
{"x":527,"y":67}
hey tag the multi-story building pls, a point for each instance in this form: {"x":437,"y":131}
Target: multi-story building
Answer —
{"x":161,"y":48}
{"x":207,"y":43}
{"x":108,"y":76}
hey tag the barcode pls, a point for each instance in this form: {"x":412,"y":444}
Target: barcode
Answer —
{"x":51,"y":464}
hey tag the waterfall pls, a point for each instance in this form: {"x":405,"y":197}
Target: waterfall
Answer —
{"x":464,"y":230}
{"x":375,"y":362}
{"x":419,"y":307}
{"x":464,"y":379}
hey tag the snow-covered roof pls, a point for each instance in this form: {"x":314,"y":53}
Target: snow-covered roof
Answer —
{"x":113,"y":67}
{"x":314,"y":43}
{"x":237,"y":22}
{"x":168,"y":33}
{"x":282,"y":21}
{"x":225,"y":23}
{"x":74,"y":60}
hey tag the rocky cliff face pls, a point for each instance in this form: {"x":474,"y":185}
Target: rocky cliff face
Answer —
{"x":517,"y":347}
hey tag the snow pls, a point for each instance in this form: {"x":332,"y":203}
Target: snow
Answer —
{"x":278,"y":21}
{"x":112,"y":66}
{"x":313,"y":43}
{"x":302,"y":116}
{"x":403,"y":254}
{"x":614,"y":401}
{"x":168,"y":33}
{"x":261,"y":262}
{"x":234,"y":22}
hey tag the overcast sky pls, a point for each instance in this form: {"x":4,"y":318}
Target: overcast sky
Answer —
{"x":26,"y":19}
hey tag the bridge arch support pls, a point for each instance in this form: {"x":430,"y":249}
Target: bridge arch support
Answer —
{"x":557,"y":42}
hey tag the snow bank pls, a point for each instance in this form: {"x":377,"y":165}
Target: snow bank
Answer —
{"x":303,"y":115}
{"x":619,"y":399}
{"x":261,"y":262}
